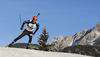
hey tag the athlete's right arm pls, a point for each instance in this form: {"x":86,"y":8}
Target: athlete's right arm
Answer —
{"x":27,"y":21}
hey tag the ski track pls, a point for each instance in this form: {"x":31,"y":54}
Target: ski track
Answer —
{"x":18,"y":52}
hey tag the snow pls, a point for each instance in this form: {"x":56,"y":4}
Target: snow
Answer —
{"x":18,"y":52}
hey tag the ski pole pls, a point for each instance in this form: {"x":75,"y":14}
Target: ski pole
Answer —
{"x":38,"y":14}
{"x":20,"y":20}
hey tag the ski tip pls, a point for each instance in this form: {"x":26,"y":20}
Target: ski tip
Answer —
{"x":7,"y":46}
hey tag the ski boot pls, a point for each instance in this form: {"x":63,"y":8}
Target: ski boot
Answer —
{"x":28,"y":46}
{"x":10,"y":44}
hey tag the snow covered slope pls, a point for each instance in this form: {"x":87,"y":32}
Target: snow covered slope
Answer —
{"x":16,"y":52}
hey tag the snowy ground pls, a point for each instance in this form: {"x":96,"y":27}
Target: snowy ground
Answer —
{"x":17,"y":52}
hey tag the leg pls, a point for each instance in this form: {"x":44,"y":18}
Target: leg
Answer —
{"x":30,"y":39}
{"x":19,"y":37}
{"x":29,"y":42}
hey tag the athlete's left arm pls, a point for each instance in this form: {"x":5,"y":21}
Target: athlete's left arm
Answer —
{"x":36,"y":28}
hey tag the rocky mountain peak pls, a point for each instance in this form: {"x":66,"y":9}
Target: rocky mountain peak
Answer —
{"x":97,"y":27}
{"x":58,"y":38}
{"x":85,"y":30}
{"x":86,"y":37}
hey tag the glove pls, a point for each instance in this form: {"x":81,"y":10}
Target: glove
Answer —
{"x":21,"y":28}
{"x":31,"y":34}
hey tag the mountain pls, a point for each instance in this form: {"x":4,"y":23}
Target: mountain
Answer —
{"x":61,"y":42}
{"x":86,"y":37}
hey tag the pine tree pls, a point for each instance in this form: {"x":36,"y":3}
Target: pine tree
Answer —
{"x":43,"y":40}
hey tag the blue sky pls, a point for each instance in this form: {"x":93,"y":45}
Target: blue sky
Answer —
{"x":60,"y":17}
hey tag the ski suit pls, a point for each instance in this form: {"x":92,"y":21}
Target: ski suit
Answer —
{"x":28,"y":30}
